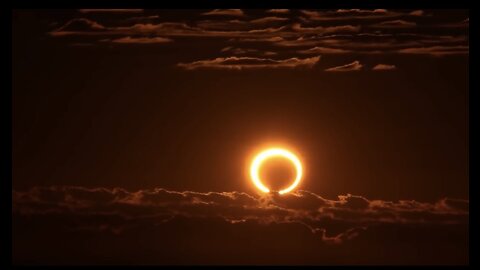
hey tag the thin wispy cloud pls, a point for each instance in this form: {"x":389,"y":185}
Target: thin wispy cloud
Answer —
{"x":324,"y":50}
{"x":325,"y":30}
{"x":358,"y":31}
{"x":139,"y":40}
{"x":436,"y":50}
{"x":384,"y":67}
{"x":278,"y":11}
{"x":417,"y":13}
{"x":78,"y":25}
{"x":226,"y":12}
{"x":350,"y":14}
{"x":110,"y":10}
{"x":354,"y":66}
{"x":394,"y":24}
{"x":240,"y":63}
{"x":88,"y":27}
{"x":272,"y":19}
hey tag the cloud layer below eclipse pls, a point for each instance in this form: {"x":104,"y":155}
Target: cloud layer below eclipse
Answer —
{"x":332,"y":221}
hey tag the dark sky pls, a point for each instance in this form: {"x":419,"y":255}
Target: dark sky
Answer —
{"x":373,"y":101}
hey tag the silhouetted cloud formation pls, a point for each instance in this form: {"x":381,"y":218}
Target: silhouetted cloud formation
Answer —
{"x":354,"y":66}
{"x":139,"y":40}
{"x":110,"y":10}
{"x":79,"y":25}
{"x":333,"y":221}
{"x":436,"y":50}
{"x":323,"y":50}
{"x":353,"y":14}
{"x":384,"y":67}
{"x":394,"y":24}
{"x":225,"y":12}
{"x":239,"y":63}
{"x":280,"y":11}
{"x":342,"y":31}
{"x":417,"y":13}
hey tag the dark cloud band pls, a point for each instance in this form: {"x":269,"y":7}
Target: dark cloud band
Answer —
{"x":321,"y":216}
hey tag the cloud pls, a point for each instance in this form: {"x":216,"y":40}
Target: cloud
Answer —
{"x":140,"y":40}
{"x":333,"y":221}
{"x":302,"y":41}
{"x":384,"y":67}
{"x":278,"y":11}
{"x":436,"y":50}
{"x":110,"y":10}
{"x":165,"y":28}
{"x":362,"y":11}
{"x":349,"y":14}
{"x":238,"y":50}
{"x":268,"y":20}
{"x":323,"y":50}
{"x":354,"y":37}
{"x":226,"y":12}
{"x":79,"y":25}
{"x":417,"y":13}
{"x":238,"y":24}
{"x":394,"y":24}
{"x":368,"y":43}
{"x":258,"y":39}
{"x":89,"y":27}
{"x":354,"y":66}
{"x":269,"y":53}
{"x":240,"y":63}
{"x":325,"y":30}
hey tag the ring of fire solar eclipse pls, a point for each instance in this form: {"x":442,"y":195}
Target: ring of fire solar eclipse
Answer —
{"x":271,"y":153}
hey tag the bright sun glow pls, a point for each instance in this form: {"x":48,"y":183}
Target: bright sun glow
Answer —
{"x":271,"y":153}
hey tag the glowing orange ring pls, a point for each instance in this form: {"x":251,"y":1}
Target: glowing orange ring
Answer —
{"x":275,"y":152}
